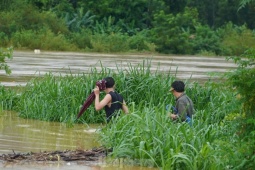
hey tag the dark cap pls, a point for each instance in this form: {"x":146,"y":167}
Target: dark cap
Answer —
{"x":177,"y":86}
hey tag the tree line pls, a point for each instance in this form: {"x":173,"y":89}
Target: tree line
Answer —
{"x":165,"y":26}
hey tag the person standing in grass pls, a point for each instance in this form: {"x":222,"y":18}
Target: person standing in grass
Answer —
{"x":112,"y":102}
{"x":184,"y":108}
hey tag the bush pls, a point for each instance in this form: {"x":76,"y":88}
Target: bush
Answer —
{"x":205,"y":39}
{"x":236,"y":40}
{"x":4,"y":40}
{"x":26,"y":17}
{"x":42,"y":39}
{"x":82,"y":39}
{"x":243,"y":79}
{"x":171,"y":33}
{"x":109,"y":43}
{"x":5,"y":53}
{"x":141,"y":42}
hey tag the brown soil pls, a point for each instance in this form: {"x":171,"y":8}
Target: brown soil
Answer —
{"x":68,"y":155}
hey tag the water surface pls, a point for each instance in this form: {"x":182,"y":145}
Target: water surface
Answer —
{"x":25,"y":135}
{"x":26,"y":65}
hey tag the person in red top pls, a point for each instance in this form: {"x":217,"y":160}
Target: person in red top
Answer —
{"x":112,"y":101}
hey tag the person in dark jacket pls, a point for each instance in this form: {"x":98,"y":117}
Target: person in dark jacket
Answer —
{"x":184,"y":108}
{"x":112,"y":102}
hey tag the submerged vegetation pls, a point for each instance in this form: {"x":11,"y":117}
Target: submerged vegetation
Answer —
{"x":222,"y":135}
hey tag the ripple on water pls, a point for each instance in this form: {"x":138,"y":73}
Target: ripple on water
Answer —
{"x":24,"y":126}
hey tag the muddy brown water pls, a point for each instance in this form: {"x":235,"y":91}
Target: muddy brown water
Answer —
{"x":26,"y":65}
{"x":22,"y":135}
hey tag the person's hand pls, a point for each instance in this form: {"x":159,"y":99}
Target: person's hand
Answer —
{"x":96,"y":90}
{"x":173,"y":116}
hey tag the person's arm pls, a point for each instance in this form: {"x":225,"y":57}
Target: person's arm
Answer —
{"x":101,"y":104}
{"x":124,"y":107}
{"x":173,"y":115}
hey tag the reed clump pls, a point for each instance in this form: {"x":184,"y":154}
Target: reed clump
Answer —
{"x":8,"y":98}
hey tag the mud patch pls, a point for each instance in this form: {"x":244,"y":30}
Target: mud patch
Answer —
{"x":68,"y":155}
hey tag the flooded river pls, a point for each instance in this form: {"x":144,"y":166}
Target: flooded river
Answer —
{"x":21,"y":135}
{"x":26,"y":65}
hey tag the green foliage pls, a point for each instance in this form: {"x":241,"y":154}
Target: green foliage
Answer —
{"x":4,"y":40}
{"x":5,"y":53}
{"x":236,"y":39}
{"x":118,"y":42}
{"x":82,"y":40}
{"x":205,"y":39}
{"x":243,"y":79}
{"x":243,"y":3}
{"x":140,"y":42}
{"x":172,"y":33}
{"x":218,"y":13}
{"x":109,"y":43}
{"x":42,"y":39}
{"x":8,"y":98}
{"x":149,"y":136}
{"x":174,"y":27}
{"x":107,"y":26}
{"x":140,"y":11}
{"x":6,"y":5}
{"x":28,"y":18}
{"x":58,"y":99}
{"x":77,"y":21}
{"x":141,"y":78}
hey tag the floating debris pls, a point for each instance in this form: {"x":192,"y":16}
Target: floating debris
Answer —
{"x":67,"y":155}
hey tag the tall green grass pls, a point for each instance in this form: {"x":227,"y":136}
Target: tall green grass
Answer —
{"x":59,"y":97}
{"x":8,"y":98}
{"x":149,"y":136}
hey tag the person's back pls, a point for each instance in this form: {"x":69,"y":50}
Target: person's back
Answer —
{"x":116,"y":105}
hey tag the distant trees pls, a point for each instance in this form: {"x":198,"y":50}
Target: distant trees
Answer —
{"x":171,"y":26}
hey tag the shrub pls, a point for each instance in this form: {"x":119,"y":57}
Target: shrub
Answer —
{"x":5,"y":53}
{"x":109,"y":43}
{"x":243,"y":79}
{"x":82,"y":39}
{"x":236,"y":40}
{"x":140,"y":42}
{"x":205,"y":39}
{"x":4,"y":40}
{"x":42,"y":39}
